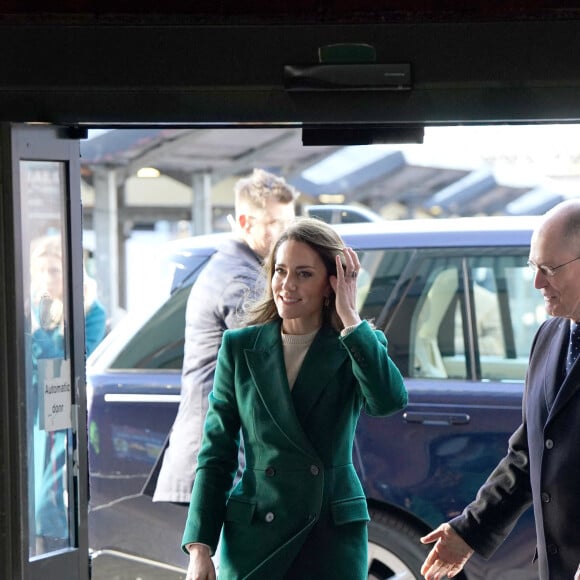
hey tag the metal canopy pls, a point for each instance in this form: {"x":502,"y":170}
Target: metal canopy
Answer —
{"x":198,"y":158}
{"x":221,"y":153}
{"x":230,"y":152}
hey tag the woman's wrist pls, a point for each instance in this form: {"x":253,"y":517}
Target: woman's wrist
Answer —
{"x":349,"y":328}
{"x":351,"y":318}
{"x":197,"y":547}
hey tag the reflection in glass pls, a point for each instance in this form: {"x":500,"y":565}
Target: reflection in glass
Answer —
{"x":48,"y":360}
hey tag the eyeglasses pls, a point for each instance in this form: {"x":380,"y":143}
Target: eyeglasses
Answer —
{"x":547,"y":270}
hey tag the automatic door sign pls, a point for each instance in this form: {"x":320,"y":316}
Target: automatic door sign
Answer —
{"x":55,"y":399}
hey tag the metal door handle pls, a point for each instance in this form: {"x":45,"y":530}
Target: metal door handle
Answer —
{"x":437,"y":418}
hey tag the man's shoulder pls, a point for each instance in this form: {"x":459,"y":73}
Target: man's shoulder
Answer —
{"x":548,"y":330}
{"x":553,"y":324}
{"x":232,"y":258}
{"x":235,"y":248}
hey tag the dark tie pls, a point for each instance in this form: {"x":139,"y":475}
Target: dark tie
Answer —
{"x":574,"y":346}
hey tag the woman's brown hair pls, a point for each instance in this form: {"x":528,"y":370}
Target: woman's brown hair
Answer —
{"x":324,"y":240}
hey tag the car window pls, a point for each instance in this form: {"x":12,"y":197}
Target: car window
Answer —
{"x":429,"y":321}
{"x":453,"y":316}
{"x":380,"y":273}
{"x":446,"y":315}
{"x":187,"y":266}
{"x":508,"y":310}
{"x":159,"y":342}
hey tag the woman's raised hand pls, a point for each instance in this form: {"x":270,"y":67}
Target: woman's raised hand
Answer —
{"x":345,"y":287}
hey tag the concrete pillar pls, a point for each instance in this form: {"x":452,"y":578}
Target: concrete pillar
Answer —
{"x":201,"y":203}
{"x":106,"y":239}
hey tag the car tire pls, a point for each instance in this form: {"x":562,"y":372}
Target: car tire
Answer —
{"x":395,"y":551}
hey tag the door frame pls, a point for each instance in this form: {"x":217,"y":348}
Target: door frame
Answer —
{"x":38,"y":143}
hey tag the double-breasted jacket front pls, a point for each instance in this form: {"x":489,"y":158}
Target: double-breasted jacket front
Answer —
{"x":298,"y":446}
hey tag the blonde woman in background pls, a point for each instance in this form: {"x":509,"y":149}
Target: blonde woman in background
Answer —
{"x":51,"y":526}
{"x":47,"y":289}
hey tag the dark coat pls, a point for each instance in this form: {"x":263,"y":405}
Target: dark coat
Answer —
{"x":542,"y":465}
{"x":232,"y":276}
{"x":299,"y":485}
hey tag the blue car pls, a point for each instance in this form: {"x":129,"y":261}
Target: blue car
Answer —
{"x":457,"y":303}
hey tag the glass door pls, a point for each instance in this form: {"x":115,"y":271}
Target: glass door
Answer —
{"x":49,"y":378}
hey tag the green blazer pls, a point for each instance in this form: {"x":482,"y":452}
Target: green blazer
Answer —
{"x":298,"y":447}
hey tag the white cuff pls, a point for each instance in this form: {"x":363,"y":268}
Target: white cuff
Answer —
{"x":348,"y":329}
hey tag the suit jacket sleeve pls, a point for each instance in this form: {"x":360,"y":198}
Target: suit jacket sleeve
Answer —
{"x":218,"y":458}
{"x":501,"y":500}
{"x":505,"y":495}
{"x":380,"y":381}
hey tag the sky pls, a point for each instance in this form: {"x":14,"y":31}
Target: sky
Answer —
{"x":518,"y":155}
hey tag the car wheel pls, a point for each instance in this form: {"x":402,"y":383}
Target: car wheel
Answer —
{"x":395,"y":551}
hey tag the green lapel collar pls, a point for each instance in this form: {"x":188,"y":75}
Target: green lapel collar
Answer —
{"x":322,"y":362}
{"x":266,"y":364}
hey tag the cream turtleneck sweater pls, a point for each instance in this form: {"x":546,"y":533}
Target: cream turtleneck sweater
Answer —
{"x":295,"y":348}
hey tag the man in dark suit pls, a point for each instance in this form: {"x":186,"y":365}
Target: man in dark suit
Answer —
{"x":541,"y":466}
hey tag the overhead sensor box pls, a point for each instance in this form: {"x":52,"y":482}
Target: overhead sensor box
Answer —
{"x":361,"y":135}
{"x":348,"y":77}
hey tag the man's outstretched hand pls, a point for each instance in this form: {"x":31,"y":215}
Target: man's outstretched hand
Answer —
{"x":448,"y":556}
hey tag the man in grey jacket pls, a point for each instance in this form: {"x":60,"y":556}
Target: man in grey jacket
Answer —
{"x":264,"y":206}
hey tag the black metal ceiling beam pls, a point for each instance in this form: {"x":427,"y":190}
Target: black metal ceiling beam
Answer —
{"x":215,"y":76}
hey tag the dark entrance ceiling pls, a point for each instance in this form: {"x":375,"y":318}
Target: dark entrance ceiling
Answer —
{"x":312,"y":11}
{"x":123,"y":63}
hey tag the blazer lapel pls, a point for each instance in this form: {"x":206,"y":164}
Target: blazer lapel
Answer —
{"x":266,"y":364}
{"x":571,"y":382}
{"x":553,"y":365}
{"x":324,"y":358}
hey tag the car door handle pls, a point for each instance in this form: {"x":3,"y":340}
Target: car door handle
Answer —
{"x":436,"y":418}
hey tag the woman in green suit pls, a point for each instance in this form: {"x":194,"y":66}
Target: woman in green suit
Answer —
{"x":294,"y":382}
